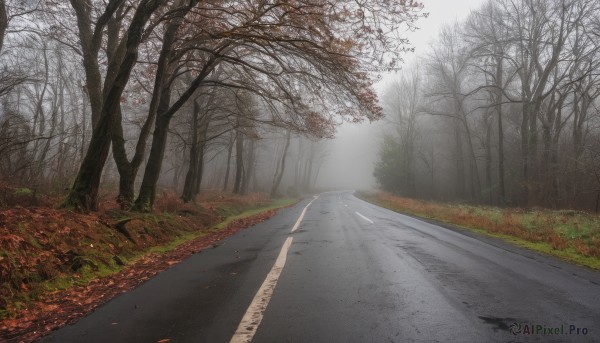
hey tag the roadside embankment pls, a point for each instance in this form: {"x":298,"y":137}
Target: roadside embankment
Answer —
{"x":57,"y":265}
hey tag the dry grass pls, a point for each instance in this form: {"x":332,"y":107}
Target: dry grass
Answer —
{"x":562,"y":233}
{"x":227,"y":203}
{"x":170,"y":202}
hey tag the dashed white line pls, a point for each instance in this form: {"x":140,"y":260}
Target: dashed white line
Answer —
{"x":254,"y":315}
{"x":365,"y":218}
{"x":297,"y":225}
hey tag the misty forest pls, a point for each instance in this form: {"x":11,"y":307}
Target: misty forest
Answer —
{"x":502,"y":110}
{"x":133,"y":96}
{"x":174,"y":154}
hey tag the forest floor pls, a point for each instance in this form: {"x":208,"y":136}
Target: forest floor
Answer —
{"x":56,"y":265}
{"x":570,"y":235}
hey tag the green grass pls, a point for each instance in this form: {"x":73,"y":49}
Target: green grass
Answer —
{"x":23,"y":191}
{"x":84,"y":275}
{"x":572,"y":236}
{"x":172,"y":245}
{"x":275,"y":204}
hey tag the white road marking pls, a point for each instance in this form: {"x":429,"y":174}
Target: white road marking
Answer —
{"x":254,"y":315}
{"x":297,"y":225}
{"x":365,"y":218}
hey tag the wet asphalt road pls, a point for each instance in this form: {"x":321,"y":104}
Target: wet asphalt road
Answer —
{"x":356,"y":272}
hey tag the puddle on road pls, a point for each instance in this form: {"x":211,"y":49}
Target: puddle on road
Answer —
{"x":498,"y":323}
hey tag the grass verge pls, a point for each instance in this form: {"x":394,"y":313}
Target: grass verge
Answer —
{"x":275,"y":204}
{"x":226,"y":222}
{"x":45,"y":251}
{"x":573,"y":236}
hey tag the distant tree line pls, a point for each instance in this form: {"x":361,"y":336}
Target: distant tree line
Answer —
{"x":504,"y":109}
{"x":181,"y":93}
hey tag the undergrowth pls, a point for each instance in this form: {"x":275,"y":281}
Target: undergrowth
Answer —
{"x":47,"y":250}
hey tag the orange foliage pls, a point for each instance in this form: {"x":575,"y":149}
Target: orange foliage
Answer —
{"x":557,"y":242}
{"x":582,"y":247}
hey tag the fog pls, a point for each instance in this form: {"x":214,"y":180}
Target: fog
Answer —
{"x":352,"y":155}
{"x":462,"y":119}
{"x":354,"y":151}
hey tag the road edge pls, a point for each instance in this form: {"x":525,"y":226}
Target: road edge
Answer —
{"x":583,"y":271}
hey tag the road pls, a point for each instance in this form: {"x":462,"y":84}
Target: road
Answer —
{"x":354,"y":272}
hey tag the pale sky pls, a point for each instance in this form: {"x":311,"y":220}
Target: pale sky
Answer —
{"x":354,"y":151}
{"x":440,"y":12}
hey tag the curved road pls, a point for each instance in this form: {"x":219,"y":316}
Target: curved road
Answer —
{"x":354,"y":272}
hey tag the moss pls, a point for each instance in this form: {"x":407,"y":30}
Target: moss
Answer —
{"x":90,"y":271}
{"x":172,"y":245}
{"x":59,"y":283}
{"x":23,"y":191}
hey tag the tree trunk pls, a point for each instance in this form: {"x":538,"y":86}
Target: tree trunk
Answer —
{"x":298,"y":166}
{"x":580,"y":111}
{"x":83,"y":195}
{"x":229,"y":151}
{"x":147,"y":194}
{"x":281,"y":170}
{"x":555,"y":183}
{"x":432,"y":179}
{"x":546,"y":167}
{"x":309,"y":170}
{"x":190,"y":177}
{"x":498,"y":100}
{"x":3,"y":22}
{"x":128,"y":169}
{"x":525,"y":155}
{"x":91,"y":40}
{"x":165,"y":113}
{"x":461,"y":187}
{"x":533,"y":155}
{"x":304,"y":175}
{"x":239,"y":162}
{"x":199,"y":170}
{"x":193,"y":177}
{"x":249,"y":167}
{"x":474,"y":169}
{"x":177,"y":172}
{"x":84,"y":192}
{"x":488,"y":159}
{"x":316,"y":176}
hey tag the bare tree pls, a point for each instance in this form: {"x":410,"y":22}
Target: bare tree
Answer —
{"x":84,"y":193}
{"x":281,"y":165}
